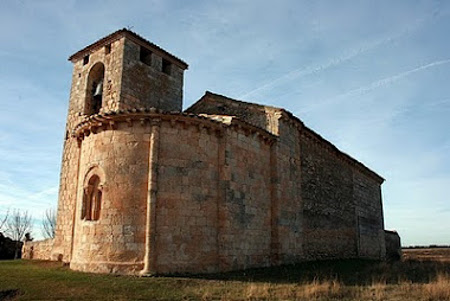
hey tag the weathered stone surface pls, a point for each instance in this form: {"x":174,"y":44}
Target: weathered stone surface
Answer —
{"x":38,"y":249}
{"x":225,"y":185}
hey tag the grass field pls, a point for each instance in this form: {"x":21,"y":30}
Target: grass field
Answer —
{"x":423,"y":275}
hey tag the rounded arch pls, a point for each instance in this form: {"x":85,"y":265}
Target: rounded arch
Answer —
{"x":94,"y":89}
{"x":97,"y":170}
{"x":92,"y":193}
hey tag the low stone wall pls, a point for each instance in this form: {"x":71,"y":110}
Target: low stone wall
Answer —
{"x":40,"y":249}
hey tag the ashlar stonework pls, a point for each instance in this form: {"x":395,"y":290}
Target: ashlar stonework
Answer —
{"x":149,"y":189}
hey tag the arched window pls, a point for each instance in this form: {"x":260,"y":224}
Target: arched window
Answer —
{"x":92,"y":199}
{"x":94,"y":90}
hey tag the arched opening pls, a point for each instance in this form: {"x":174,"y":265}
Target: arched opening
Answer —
{"x":92,"y":199}
{"x":94,"y":90}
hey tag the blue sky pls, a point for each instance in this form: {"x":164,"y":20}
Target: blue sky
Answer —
{"x":372,"y":77}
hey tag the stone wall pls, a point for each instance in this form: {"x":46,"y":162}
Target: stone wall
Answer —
{"x":128,"y":83}
{"x":212,"y":181}
{"x":213,"y":208}
{"x":287,"y":197}
{"x":145,"y":86}
{"x":325,"y":204}
{"x":393,"y":246}
{"x":76,"y":113}
{"x":115,"y":242}
{"x":329,"y":210}
{"x":369,"y":214}
{"x":41,"y":249}
{"x":342,"y":204}
{"x":264,"y":117}
{"x":245,"y":210}
{"x":193,"y":194}
{"x":187,"y":199}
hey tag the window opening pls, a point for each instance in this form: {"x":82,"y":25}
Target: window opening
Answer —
{"x":166,"y":66}
{"x":94,"y":93}
{"x":145,"y":56}
{"x":92,"y":198}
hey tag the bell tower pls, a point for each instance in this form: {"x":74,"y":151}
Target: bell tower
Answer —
{"x":125,"y":71}
{"x":121,"y":71}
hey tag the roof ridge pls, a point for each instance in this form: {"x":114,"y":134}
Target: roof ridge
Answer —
{"x":241,"y":101}
{"x":120,"y":33}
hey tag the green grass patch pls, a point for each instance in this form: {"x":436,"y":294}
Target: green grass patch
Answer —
{"x":325,"y":280}
{"x":52,"y":281}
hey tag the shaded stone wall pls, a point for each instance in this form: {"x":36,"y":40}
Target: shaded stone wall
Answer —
{"x":287,"y":202}
{"x":115,"y":242}
{"x":393,"y":245}
{"x":369,"y":214}
{"x":329,"y":209}
{"x":41,"y":250}
{"x":145,"y":86}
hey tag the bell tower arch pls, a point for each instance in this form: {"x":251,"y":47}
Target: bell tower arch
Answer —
{"x":94,"y":89}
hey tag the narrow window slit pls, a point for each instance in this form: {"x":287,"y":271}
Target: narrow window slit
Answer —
{"x":166,"y":67}
{"x":145,"y":56}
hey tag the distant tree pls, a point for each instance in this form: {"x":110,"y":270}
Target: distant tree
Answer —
{"x":49,"y":223}
{"x":18,"y":224}
{"x":4,"y":220}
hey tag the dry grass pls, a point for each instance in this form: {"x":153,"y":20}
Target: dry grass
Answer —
{"x":412,"y":279}
{"x":439,"y":289}
{"x":434,"y":254}
{"x":320,"y":289}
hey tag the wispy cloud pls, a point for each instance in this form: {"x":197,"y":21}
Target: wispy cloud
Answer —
{"x":301,"y":72}
{"x":438,"y":103}
{"x":353,"y":53}
{"x":15,"y":196}
{"x":372,"y":86}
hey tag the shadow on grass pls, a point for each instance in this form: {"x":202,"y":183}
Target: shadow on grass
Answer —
{"x":11,"y":294}
{"x":349,"y":272}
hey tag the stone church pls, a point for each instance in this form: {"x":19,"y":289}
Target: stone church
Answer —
{"x":147,"y":188}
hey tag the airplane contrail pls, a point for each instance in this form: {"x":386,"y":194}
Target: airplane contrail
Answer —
{"x":301,"y":72}
{"x":376,"y":84}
